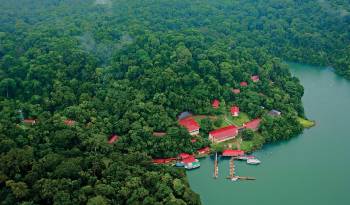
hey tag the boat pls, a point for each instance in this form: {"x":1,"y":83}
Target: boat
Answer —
{"x":234,"y":179}
{"x":253,"y":161}
{"x":192,"y":165}
{"x":179,"y":164}
{"x":246,"y":157}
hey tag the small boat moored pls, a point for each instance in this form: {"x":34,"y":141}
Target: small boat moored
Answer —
{"x":246,"y":157}
{"x":253,"y":161}
{"x":179,"y":164}
{"x":192,"y":165}
{"x":234,"y":179}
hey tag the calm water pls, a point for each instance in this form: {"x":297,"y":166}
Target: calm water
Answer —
{"x":313,"y":168}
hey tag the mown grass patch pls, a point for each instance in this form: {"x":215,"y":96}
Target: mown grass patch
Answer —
{"x":306,"y":123}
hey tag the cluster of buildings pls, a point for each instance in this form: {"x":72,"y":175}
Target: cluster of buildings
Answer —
{"x":224,"y":133}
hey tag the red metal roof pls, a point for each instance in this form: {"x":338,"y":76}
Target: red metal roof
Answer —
{"x":215,"y":103}
{"x":29,"y":121}
{"x":243,"y":84}
{"x":162,"y":160}
{"x":193,"y":140}
{"x":190,"y":124}
{"x":236,"y":91}
{"x":184,"y":155}
{"x":234,"y":109}
{"x":255,"y":78}
{"x":69,"y":122}
{"x":232,"y":153}
{"x":189,"y":160}
{"x":113,"y":139}
{"x":253,"y":124}
{"x":224,"y":132}
{"x":204,"y":150}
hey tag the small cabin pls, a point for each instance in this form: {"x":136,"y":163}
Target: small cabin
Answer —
{"x":215,"y":104}
{"x":274,"y":113}
{"x":69,"y":122}
{"x":253,"y":124}
{"x":29,"y":121}
{"x":236,"y":91}
{"x":112,"y":139}
{"x":255,"y":78}
{"x":235,"y":111}
{"x":243,"y":84}
{"x":204,"y":150}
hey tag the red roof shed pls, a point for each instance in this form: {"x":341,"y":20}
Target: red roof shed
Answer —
{"x":184,"y":155}
{"x":243,"y":84}
{"x":232,"y":153}
{"x":189,"y":160}
{"x":204,"y":150}
{"x":216,"y":103}
{"x":253,"y":124}
{"x":236,"y":91}
{"x":29,"y":121}
{"x":190,"y":124}
{"x":69,"y":122}
{"x":255,"y":78}
{"x":113,"y":139}
{"x":234,"y":111}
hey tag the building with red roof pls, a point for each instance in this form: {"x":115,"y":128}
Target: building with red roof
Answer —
{"x":190,"y":159}
{"x":253,"y":124}
{"x":184,"y":155}
{"x":216,"y":103}
{"x":232,"y":153}
{"x":158,"y":161}
{"x":235,"y":111}
{"x":29,"y":121}
{"x":236,"y":91}
{"x":159,"y":134}
{"x":255,"y":78}
{"x":191,"y":125}
{"x":69,"y":122}
{"x":113,"y":139}
{"x":223,"y":134}
{"x":193,"y":140}
{"x":243,"y":84}
{"x":163,"y":160}
{"x":204,"y":150}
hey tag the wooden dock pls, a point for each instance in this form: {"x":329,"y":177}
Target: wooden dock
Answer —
{"x":216,"y":166}
{"x":232,"y":176}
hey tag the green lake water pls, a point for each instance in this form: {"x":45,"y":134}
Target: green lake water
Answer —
{"x":313,"y":168}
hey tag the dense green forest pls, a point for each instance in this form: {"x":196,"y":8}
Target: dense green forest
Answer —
{"x":130,"y":68}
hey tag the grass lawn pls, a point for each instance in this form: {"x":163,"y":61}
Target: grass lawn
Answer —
{"x":242,"y":118}
{"x":306,"y":123}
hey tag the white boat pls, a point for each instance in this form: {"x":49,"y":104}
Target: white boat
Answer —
{"x":234,"y":179}
{"x":246,"y":157}
{"x":192,"y":165}
{"x":253,"y":161}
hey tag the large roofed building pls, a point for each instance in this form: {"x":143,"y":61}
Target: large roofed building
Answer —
{"x":223,"y":134}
